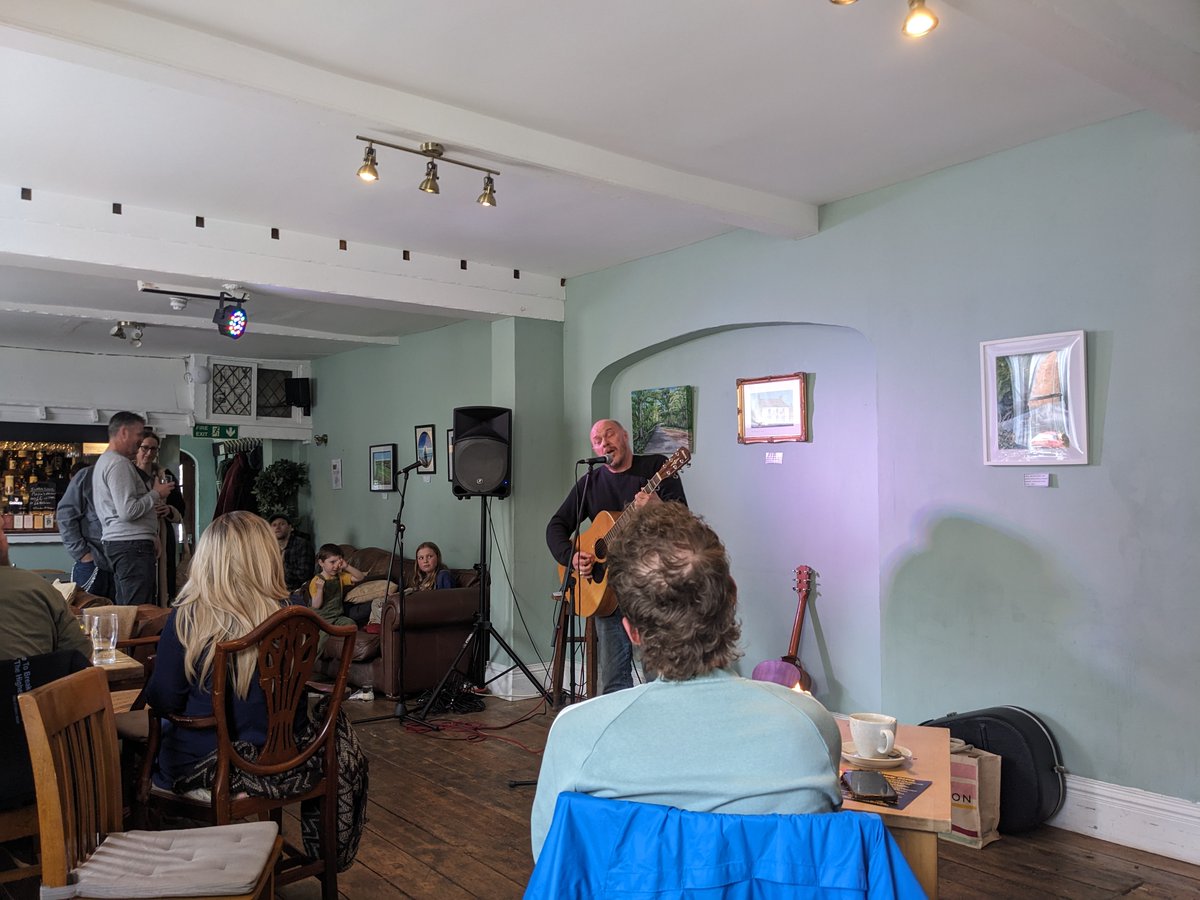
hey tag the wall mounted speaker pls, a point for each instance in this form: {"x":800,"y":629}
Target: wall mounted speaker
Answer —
{"x":482,"y":451}
{"x":298,"y":392}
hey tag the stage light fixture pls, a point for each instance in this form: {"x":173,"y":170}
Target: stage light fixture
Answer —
{"x":231,"y":320}
{"x":430,"y":184}
{"x":118,"y":331}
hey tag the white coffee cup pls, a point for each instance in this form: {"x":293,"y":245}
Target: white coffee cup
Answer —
{"x":874,"y":734}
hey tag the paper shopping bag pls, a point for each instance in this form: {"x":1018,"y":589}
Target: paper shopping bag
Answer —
{"x":974,"y":795}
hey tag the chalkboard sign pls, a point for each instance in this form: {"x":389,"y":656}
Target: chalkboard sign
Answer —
{"x":43,"y":495}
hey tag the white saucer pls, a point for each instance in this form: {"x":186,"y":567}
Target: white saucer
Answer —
{"x":899,"y":756}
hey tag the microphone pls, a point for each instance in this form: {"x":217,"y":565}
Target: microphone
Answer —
{"x":410,"y":467}
{"x":592,"y":460}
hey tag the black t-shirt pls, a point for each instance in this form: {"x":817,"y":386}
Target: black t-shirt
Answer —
{"x":606,"y":491}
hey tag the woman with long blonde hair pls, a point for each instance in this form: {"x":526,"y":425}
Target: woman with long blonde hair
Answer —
{"x":235,"y":583}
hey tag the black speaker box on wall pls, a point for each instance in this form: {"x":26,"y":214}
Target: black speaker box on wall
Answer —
{"x":482,"y":451}
{"x":298,"y":392}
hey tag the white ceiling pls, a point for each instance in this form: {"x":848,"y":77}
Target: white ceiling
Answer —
{"x":621,"y":130}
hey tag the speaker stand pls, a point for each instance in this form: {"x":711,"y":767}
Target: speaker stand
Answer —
{"x":481,"y":630}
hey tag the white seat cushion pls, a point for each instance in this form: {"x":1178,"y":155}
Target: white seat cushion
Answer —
{"x":217,"y":861}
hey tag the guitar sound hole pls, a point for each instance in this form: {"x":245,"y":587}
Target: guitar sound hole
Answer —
{"x":600,"y":550}
{"x":598,"y":572}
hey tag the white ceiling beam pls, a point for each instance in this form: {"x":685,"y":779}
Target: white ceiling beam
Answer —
{"x":1116,"y":43}
{"x":90,"y":26}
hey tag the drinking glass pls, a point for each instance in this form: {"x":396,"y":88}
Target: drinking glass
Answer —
{"x":104,"y":637}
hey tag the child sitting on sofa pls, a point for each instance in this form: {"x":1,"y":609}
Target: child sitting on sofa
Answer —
{"x":431,"y":573}
{"x":328,"y":587}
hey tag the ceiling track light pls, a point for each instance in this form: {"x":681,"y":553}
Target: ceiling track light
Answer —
{"x":134,"y":335}
{"x":231,"y":320}
{"x":435,"y":153}
{"x":919,"y":21}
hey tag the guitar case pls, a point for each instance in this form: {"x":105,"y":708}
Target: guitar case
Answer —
{"x":1032,"y":785}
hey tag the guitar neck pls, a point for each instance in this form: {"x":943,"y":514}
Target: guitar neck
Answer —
{"x":650,"y":487}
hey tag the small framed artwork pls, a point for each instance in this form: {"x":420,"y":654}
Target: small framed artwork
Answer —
{"x":383,"y":467}
{"x":772,"y":409}
{"x":663,"y":419}
{"x":425,"y":445}
{"x":1035,"y":400}
{"x":449,"y":454}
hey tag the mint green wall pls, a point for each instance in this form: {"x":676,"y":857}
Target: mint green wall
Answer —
{"x":819,"y":507}
{"x":1076,"y":601}
{"x":39,"y":556}
{"x":377,"y":395}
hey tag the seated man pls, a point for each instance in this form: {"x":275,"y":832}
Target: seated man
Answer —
{"x":699,"y":738}
{"x":36,"y":617}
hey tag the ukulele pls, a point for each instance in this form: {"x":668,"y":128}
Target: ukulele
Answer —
{"x":593,"y":596}
{"x":787,"y":670}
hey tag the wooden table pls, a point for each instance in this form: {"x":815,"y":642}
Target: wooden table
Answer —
{"x":917,"y":826}
{"x":125,"y":672}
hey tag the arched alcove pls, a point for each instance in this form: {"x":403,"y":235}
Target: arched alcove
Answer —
{"x":817,"y":506}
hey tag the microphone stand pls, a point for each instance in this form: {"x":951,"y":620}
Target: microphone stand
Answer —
{"x":571,"y":578}
{"x":401,"y":712}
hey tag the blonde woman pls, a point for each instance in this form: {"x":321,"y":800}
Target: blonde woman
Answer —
{"x":235,"y":583}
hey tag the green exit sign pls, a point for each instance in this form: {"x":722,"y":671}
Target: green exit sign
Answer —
{"x":215,"y":431}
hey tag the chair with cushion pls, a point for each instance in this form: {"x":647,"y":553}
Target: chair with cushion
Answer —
{"x":286,"y":645}
{"x":138,"y":627}
{"x":73,"y":745}
{"x":18,"y":800}
{"x":600,"y":848}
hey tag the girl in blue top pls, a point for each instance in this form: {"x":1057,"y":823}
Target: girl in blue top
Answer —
{"x":431,"y":573}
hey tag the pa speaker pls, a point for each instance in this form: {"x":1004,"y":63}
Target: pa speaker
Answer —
{"x":482,"y":451}
{"x":298,"y":392}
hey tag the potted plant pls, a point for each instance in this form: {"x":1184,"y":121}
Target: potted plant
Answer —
{"x":276,"y":488}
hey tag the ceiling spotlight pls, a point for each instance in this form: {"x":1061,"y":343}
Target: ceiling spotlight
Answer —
{"x":178,"y":303}
{"x":919,"y":21}
{"x":434,"y":153}
{"x":118,"y":331}
{"x":488,"y":197}
{"x":842,"y":2}
{"x":367,"y":171}
{"x":231,"y":320}
{"x":136,"y":335}
{"x":430,"y":184}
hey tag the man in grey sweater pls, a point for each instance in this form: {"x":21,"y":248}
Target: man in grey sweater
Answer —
{"x":127,"y":511}
{"x":82,"y":536}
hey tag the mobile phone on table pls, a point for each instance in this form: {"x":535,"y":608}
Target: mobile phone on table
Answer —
{"x":868,"y":786}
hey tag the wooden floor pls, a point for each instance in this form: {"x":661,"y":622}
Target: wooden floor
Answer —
{"x":444,"y":823}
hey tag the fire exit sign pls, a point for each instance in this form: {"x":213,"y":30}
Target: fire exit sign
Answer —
{"x":215,"y":431}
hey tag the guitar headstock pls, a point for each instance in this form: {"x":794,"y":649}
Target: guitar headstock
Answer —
{"x":679,"y":459}
{"x":802,"y":579}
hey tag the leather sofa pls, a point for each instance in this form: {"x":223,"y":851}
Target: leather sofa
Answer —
{"x":435,"y":624}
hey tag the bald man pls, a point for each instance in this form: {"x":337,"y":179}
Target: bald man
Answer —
{"x":609,"y":488}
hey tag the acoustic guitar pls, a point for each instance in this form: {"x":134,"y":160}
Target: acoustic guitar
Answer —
{"x":592,"y":593}
{"x":787,"y":670}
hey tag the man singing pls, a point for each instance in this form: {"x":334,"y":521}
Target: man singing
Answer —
{"x":609,"y":488}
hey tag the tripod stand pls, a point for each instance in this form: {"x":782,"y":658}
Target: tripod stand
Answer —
{"x":481,"y":630}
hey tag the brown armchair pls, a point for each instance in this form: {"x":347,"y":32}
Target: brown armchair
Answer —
{"x":434,"y":627}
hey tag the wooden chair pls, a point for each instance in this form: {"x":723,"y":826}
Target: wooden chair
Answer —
{"x":73,"y":746}
{"x":18,"y":803}
{"x":287,"y":646}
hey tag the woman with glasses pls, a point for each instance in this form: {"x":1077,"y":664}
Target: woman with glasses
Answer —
{"x":170,"y":513}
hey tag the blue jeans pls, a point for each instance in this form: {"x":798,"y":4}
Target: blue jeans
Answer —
{"x":614,"y":653}
{"x":91,"y":578}
{"x":134,"y":569}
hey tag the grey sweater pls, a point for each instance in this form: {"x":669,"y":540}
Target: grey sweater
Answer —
{"x":124,"y":505}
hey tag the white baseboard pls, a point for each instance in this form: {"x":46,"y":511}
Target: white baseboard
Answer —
{"x":1156,"y":823}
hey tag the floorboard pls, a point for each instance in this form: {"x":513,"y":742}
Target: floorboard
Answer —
{"x":443,"y":823}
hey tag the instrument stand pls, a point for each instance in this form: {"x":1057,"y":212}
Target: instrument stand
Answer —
{"x":566,"y":642}
{"x":401,"y":713}
{"x":481,"y":630}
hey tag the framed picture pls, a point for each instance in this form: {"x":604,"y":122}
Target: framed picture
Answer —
{"x":425,"y":441}
{"x":383,"y":467}
{"x":772,"y":409}
{"x":663,"y":419}
{"x":449,"y":454}
{"x":1035,"y":400}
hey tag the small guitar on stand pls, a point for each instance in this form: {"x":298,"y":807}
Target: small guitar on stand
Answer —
{"x":788,"y":671}
{"x":592,"y":594}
